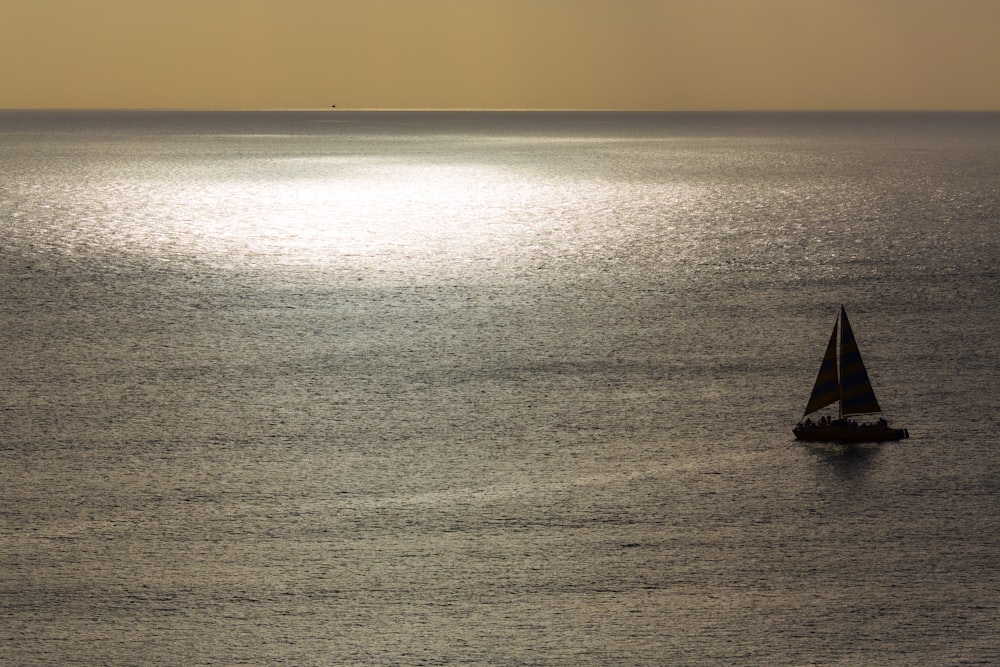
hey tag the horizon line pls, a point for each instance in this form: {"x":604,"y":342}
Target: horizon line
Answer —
{"x":334,"y":109}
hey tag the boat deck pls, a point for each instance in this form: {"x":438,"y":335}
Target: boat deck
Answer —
{"x":847,"y":433}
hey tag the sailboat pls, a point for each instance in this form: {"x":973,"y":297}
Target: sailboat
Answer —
{"x":847,"y":385}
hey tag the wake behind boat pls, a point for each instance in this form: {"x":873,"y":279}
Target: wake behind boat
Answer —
{"x":850,"y":388}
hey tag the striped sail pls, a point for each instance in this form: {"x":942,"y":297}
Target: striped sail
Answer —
{"x":827,"y":388}
{"x":857,"y":395}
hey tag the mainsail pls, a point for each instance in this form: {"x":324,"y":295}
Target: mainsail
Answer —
{"x":857,"y":395}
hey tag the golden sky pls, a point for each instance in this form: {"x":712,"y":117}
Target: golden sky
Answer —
{"x":552,"y":54}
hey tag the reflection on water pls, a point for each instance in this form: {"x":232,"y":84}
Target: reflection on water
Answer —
{"x":847,"y":461}
{"x":384,"y":214}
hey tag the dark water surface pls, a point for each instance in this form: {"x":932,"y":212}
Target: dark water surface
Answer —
{"x":476,"y":388}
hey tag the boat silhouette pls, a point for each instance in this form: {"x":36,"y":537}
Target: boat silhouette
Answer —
{"x":847,"y":384}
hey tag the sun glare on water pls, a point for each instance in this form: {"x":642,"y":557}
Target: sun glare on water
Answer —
{"x":401,"y":213}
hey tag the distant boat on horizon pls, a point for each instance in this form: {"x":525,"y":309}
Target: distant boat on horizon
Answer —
{"x":847,"y":385}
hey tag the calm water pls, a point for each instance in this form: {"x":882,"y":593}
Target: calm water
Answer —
{"x":475,"y":388}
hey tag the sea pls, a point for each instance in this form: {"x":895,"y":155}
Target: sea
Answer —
{"x":494,"y":388}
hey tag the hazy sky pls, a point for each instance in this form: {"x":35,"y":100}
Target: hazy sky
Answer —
{"x":603,"y":54}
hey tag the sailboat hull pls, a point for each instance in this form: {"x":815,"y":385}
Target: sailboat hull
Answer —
{"x":837,"y":433}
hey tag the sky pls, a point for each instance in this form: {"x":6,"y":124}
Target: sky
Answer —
{"x":501,"y":54}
